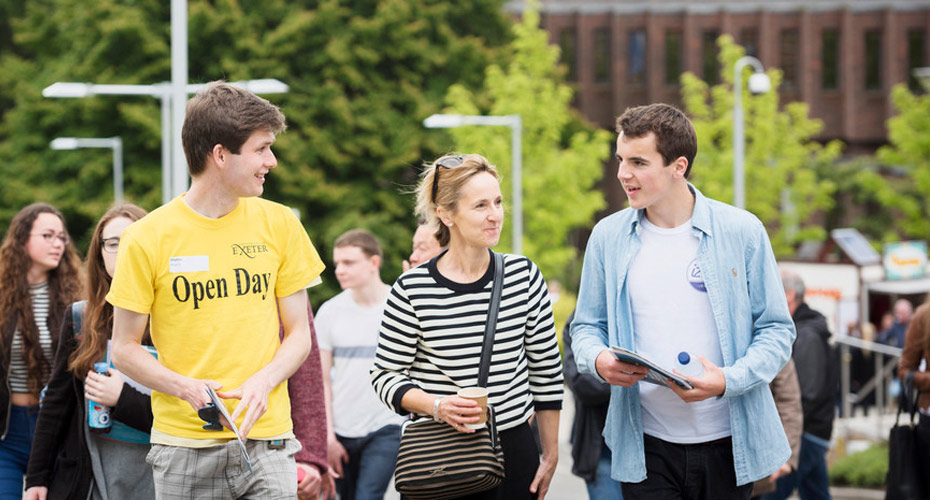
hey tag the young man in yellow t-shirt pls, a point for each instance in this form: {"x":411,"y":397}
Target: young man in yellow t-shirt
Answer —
{"x":213,"y":268}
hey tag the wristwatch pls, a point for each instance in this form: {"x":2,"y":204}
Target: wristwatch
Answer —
{"x":436,"y":409}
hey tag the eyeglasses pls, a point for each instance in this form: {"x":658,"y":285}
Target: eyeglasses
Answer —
{"x":111,"y":245}
{"x":450,"y":162}
{"x":211,"y":416}
{"x":50,"y":237}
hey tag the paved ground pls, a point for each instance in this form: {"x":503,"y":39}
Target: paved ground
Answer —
{"x":565,"y":485}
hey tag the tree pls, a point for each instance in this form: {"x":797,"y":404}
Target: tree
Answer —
{"x":909,"y":151}
{"x":781,"y":155}
{"x":562,"y":158}
{"x":362,"y":74}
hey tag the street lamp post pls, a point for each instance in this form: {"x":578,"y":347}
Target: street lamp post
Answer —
{"x":114,"y":143}
{"x":162,"y":92}
{"x":759,"y":83}
{"x":516,"y":126}
{"x":178,"y":94}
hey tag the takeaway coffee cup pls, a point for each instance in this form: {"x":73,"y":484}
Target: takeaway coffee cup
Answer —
{"x":479,"y":394}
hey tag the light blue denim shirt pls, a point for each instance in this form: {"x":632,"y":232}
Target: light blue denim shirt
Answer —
{"x":754,"y":327}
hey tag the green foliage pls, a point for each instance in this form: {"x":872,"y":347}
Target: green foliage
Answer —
{"x":909,"y":135}
{"x":866,"y":468}
{"x":780,"y":153}
{"x":863,"y":194}
{"x":362,"y":77}
{"x":562,"y":159}
{"x":68,"y":41}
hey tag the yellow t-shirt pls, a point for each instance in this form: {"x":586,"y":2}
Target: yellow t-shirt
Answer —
{"x":210,"y":287}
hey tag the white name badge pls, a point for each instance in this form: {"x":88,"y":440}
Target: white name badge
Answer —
{"x":189,"y":264}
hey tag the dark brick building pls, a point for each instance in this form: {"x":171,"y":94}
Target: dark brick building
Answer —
{"x":840,"y":56}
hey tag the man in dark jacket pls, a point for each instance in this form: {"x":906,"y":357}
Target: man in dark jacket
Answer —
{"x":590,"y":456}
{"x":817,"y":374}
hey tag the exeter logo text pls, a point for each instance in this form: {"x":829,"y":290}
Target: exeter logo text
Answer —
{"x":249,"y":249}
{"x":185,"y":290}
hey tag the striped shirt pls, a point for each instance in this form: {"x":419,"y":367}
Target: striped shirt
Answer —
{"x":432,"y":332}
{"x":19,"y":372}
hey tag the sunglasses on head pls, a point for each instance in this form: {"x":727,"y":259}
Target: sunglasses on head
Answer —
{"x":211,"y":416}
{"x":450,"y":162}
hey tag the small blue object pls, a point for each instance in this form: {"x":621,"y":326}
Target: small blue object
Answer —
{"x":98,"y":415}
{"x":686,"y":367}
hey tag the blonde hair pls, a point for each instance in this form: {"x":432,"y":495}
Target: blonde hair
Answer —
{"x":449,"y":188}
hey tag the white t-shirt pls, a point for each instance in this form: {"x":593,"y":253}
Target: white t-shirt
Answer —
{"x":350,"y":331}
{"x":672,"y":313}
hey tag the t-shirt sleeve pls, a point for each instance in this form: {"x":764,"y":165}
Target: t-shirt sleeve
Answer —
{"x":133,"y":286}
{"x":300,"y":262}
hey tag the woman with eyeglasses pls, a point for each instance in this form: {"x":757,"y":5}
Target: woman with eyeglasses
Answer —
{"x":68,"y":461}
{"x":433,"y":327}
{"x":39,"y":277}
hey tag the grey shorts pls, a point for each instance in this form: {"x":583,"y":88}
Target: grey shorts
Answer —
{"x":220,"y":472}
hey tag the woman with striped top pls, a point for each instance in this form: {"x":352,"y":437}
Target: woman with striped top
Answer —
{"x":433,"y":327}
{"x":39,"y":278}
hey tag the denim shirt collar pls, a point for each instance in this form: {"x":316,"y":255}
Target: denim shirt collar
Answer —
{"x":700,"y":216}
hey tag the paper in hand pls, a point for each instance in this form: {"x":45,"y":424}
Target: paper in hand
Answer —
{"x":657,"y":374}
{"x":225,"y":414}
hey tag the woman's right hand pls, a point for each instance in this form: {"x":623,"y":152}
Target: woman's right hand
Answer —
{"x":36,"y":493}
{"x":457,"y":411}
{"x":103,"y":389}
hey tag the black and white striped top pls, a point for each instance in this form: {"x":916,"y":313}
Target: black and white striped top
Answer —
{"x":19,"y":372}
{"x":432,"y":331}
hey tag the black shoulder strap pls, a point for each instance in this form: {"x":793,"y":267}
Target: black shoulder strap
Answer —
{"x":77,"y":316}
{"x":496,"y":286}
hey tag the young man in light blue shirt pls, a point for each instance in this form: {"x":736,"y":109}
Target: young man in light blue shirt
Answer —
{"x":680,"y":272}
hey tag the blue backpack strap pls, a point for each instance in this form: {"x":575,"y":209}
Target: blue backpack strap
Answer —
{"x":77,"y":316}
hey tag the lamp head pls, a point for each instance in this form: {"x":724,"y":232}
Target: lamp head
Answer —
{"x":64,"y":143}
{"x":443,"y":121}
{"x":264,"y":86}
{"x":759,"y":83}
{"x":67,"y":89}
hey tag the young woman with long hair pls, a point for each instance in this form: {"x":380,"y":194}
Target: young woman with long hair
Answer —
{"x":39,"y":277}
{"x":68,"y":461}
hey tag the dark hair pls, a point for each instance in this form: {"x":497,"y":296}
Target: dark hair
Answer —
{"x":675,"y":136}
{"x":449,"y":189}
{"x":98,"y":315}
{"x":65,"y":285}
{"x":361,"y":238}
{"x":227,"y":115}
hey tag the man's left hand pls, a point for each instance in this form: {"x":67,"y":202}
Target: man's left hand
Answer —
{"x":252,"y":394}
{"x":709,"y":385}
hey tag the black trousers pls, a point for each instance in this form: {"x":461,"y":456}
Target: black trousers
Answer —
{"x":521,"y":460}
{"x":923,"y":445}
{"x":702,"y":471}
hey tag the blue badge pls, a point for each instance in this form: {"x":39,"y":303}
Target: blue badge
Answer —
{"x":695,"y":278}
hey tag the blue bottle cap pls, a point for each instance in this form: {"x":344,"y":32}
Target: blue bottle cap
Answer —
{"x":684,"y":358}
{"x":101,"y":367}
